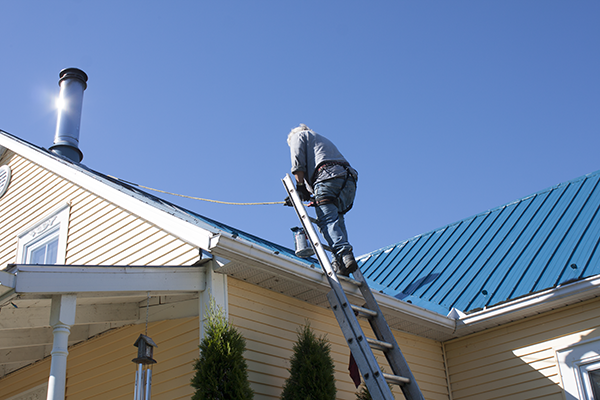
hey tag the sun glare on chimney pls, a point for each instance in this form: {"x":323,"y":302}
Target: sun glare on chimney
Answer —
{"x":60,"y":103}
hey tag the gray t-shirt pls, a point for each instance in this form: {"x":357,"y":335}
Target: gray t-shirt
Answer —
{"x":309,"y":150}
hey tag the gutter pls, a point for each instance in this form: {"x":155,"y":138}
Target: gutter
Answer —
{"x":544,"y":301}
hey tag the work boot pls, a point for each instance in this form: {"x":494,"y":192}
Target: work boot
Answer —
{"x":348,"y":264}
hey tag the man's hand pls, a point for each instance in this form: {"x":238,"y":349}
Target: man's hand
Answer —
{"x":302,"y":191}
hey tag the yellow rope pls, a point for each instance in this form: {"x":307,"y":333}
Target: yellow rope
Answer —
{"x":199,"y":198}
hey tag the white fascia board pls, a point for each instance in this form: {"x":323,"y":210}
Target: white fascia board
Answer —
{"x":7,"y":286}
{"x":254,"y":255}
{"x":238,"y":248}
{"x":52,"y":279}
{"x":186,"y":231}
{"x":7,"y":280}
{"x":530,"y":305}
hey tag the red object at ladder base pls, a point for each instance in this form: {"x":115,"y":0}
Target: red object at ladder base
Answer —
{"x":354,"y":372}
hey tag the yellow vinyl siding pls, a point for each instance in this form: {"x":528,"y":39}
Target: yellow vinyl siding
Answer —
{"x":31,"y":194}
{"x":25,"y":379}
{"x":99,"y":232}
{"x":101,"y":368}
{"x":518,"y":360}
{"x":269,"y":322}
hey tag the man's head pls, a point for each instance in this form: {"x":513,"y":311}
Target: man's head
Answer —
{"x":299,"y":128}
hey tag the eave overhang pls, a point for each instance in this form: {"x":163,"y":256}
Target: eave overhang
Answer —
{"x":304,"y":280}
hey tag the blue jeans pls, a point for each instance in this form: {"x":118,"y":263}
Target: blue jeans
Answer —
{"x":330,"y":215}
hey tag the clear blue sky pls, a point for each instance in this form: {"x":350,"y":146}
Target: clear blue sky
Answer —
{"x":446,"y":108}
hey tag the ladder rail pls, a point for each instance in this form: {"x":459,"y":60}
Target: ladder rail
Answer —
{"x":360,"y":346}
{"x":363,"y":355}
{"x":382,"y":331}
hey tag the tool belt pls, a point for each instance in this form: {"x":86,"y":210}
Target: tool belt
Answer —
{"x":349,"y":175}
{"x":326,"y":164}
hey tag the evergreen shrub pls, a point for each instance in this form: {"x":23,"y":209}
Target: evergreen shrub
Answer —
{"x":221,"y":370}
{"x":311,"y":369}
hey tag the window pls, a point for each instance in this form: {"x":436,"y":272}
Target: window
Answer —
{"x":44,"y":252}
{"x":590,"y":374}
{"x":579,"y":367}
{"x":46,"y":241}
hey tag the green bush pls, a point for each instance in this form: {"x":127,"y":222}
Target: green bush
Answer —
{"x":311,"y":369}
{"x":221,"y":370}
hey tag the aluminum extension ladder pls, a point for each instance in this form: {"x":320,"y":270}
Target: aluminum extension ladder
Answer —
{"x":346,"y":314}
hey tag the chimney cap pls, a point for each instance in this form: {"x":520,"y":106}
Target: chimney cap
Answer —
{"x":69,"y":73}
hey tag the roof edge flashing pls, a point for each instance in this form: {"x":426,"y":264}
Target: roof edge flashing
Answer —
{"x":535,"y":304}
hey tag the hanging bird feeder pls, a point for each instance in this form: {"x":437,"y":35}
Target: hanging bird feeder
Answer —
{"x":144,"y":361}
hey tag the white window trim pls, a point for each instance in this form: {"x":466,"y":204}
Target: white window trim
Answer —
{"x":585,"y":370}
{"x":58,"y":219}
{"x":570,"y":360}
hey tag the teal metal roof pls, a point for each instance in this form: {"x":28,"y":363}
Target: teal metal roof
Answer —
{"x":539,"y":242}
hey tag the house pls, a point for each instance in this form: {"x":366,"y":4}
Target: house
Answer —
{"x":499,"y":305}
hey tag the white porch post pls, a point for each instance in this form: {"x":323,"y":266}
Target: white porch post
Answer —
{"x":216,"y":286}
{"x":62,"y":317}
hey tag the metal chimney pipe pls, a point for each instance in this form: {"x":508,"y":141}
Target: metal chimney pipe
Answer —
{"x":72,"y":82}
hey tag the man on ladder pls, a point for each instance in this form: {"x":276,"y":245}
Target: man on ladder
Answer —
{"x":320,"y":168}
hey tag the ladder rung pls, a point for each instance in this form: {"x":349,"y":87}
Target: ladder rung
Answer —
{"x":325,"y":247}
{"x":395,"y":379}
{"x":379,"y":344}
{"x":365,"y":311}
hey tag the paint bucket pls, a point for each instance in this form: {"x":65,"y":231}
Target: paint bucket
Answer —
{"x":303,"y":248}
